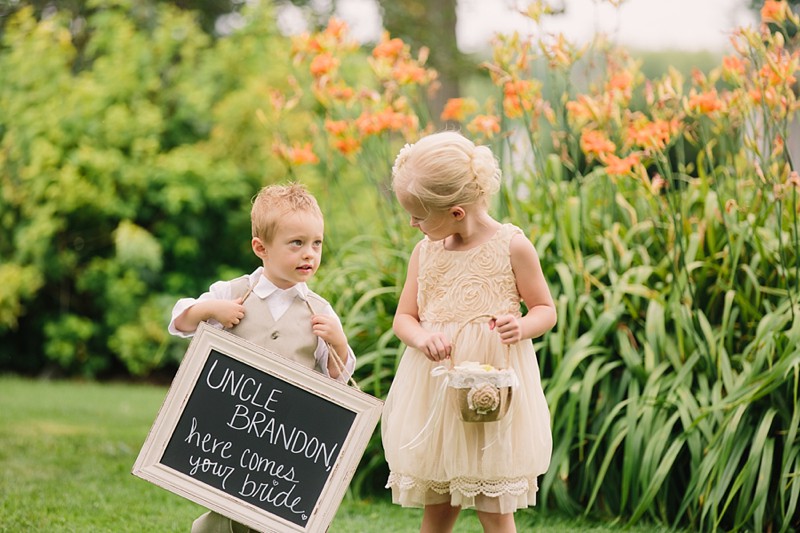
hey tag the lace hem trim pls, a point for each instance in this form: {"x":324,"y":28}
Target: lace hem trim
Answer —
{"x":469,"y":487}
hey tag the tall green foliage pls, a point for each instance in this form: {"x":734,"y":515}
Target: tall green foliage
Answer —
{"x":665,"y":213}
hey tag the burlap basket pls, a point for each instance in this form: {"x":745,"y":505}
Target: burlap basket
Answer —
{"x":480,"y":394}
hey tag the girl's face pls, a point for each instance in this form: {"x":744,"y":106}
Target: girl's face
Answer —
{"x":294,"y":254}
{"x":436,"y":225}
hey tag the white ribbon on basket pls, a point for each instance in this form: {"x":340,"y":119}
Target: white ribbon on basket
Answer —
{"x":438,"y":410}
{"x":438,"y":406}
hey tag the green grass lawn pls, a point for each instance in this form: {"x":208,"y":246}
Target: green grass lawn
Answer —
{"x":66,"y":452}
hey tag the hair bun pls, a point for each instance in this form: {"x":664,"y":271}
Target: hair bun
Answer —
{"x":484,"y":166}
{"x":401,"y":158}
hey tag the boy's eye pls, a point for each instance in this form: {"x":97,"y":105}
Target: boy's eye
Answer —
{"x":317,"y":243}
{"x":296,"y":242}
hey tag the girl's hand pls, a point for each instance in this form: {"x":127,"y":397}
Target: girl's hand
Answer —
{"x":508,"y":327}
{"x":328,"y":329}
{"x":228,"y":312}
{"x":436,"y":346}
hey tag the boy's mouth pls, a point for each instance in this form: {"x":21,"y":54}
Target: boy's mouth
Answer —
{"x":305,"y":268}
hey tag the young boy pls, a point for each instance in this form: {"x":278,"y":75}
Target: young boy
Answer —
{"x":273,"y":306}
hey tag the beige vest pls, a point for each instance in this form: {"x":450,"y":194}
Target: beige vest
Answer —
{"x":289,"y":336}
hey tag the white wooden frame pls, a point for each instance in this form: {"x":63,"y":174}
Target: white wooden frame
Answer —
{"x":207,"y":338}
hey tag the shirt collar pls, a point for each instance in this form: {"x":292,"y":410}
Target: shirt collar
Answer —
{"x":263,"y":287}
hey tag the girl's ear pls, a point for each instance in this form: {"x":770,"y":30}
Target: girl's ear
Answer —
{"x":457,"y":212}
{"x":258,"y":248}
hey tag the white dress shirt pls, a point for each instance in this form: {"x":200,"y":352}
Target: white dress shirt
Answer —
{"x":278,"y":300}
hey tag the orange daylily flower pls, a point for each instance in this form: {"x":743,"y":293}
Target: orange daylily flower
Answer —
{"x":408,"y":72}
{"x":774,"y":11}
{"x":323,"y":64}
{"x":733,"y":65}
{"x":341,"y":93}
{"x":457,"y":109}
{"x":587,"y":109}
{"x":337,"y":28}
{"x":652,"y":135}
{"x":388,"y":48}
{"x":518,"y":96}
{"x":595,"y":143}
{"x":386,"y":120}
{"x":621,"y":82}
{"x":779,"y":71}
{"x":296,"y":154}
{"x":768,"y":96}
{"x":305,"y":43}
{"x":487,"y":125}
{"x":581,"y":109}
{"x":704,"y":103}
{"x":336,"y":127}
{"x":347,"y":146}
{"x":616,"y":166}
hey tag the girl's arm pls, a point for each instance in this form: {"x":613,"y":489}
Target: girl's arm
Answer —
{"x":533,"y":288}
{"x":435,"y":345}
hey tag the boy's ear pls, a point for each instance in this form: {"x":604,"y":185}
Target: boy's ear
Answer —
{"x":258,"y":248}
{"x":457,"y":212}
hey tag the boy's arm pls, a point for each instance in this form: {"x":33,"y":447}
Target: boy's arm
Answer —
{"x":328,"y":327}
{"x":215,"y":306}
{"x":228,"y":313}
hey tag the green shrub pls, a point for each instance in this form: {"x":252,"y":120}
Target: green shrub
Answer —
{"x":129,"y":148}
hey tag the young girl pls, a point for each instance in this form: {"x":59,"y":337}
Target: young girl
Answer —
{"x":467,"y":267}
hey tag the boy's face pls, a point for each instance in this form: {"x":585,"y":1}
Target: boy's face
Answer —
{"x":294,"y":253}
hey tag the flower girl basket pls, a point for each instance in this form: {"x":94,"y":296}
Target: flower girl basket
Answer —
{"x":480,"y":392}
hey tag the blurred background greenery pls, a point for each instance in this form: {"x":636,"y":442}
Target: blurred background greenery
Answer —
{"x":658,"y":189}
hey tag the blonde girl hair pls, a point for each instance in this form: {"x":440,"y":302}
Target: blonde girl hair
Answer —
{"x":274,"y":202}
{"x":446,"y":169}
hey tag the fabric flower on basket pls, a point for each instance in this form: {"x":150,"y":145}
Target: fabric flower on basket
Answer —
{"x":482,"y":392}
{"x":484,"y":398}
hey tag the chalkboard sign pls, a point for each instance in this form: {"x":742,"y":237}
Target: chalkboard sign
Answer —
{"x":257,"y":437}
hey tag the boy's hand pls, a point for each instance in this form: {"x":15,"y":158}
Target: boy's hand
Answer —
{"x":228,"y":312}
{"x":508,"y":327}
{"x":328,"y":329}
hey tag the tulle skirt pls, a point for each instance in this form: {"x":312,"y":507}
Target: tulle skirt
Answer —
{"x":434,"y":457}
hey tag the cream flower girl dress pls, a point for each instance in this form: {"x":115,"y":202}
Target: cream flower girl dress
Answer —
{"x":434,"y":457}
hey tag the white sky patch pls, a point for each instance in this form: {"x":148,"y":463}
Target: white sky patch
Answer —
{"x":641,"y":24}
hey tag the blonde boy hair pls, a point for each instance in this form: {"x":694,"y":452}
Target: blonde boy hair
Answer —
{"x":446,"y":169}
{"x":274,"y":202}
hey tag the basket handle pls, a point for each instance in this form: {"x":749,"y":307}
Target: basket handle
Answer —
{"x":461,"y":328}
